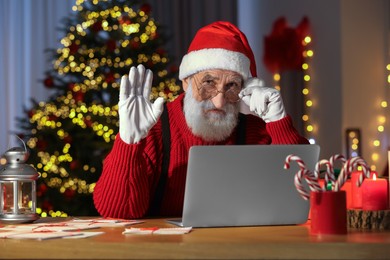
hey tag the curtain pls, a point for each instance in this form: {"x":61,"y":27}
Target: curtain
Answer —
{"x":182,"y":19}
{"x":27,"y":29}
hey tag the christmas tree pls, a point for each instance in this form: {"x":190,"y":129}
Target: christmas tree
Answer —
{"x":70,"y":134}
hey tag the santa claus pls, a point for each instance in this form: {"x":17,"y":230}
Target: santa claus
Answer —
{"x":224,"y":103}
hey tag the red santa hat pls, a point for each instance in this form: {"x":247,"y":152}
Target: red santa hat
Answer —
{"x":220,"y":45}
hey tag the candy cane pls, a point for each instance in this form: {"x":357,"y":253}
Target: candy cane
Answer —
{"x":299,"y":175}
{"x":292,"y":157}
{"x":328,"y":173}
{"x":366,"y":169}
{"x":354,"y":163}
{"x":347,"y":170}
{"x":340,"y":180}
{"x":344,"y":173}
{"x":318,"y":167}
{"x":332,"y":175}
{"x":334,"y":158}
{"x":310,"y":178}
{"x":298,"y":184}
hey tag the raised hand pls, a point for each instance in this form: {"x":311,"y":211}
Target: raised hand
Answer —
{"x":137,"y":115}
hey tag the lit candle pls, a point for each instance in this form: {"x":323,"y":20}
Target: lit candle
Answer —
{"x":375,"y":194}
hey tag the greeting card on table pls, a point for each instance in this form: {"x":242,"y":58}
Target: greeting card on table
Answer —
{"x":38,"y":235}
{"x":157,"y":231}
{"x":64,"y":229}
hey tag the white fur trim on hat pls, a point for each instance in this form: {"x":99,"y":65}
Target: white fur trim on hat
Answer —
{"x":206,"y":59}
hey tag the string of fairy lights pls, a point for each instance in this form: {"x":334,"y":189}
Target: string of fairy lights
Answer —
{"x":308,"y":124}
{"x":378,"y":142}
{"x":308,"y":54}
{"x":380,"y":127}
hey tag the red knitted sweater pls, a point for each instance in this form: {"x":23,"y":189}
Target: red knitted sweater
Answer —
{"x":131,"y":172}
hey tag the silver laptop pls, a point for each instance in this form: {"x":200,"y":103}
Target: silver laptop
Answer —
{"x":244,"y":185}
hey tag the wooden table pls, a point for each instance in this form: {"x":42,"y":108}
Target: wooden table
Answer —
{"x":266,"y":242}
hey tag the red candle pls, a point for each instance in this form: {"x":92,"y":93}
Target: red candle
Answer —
{"x":356,"y":190}
{"x":375,"y":194}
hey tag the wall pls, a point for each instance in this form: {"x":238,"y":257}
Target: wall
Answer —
{"x":364,"y":56}
{"x":347,"y":69}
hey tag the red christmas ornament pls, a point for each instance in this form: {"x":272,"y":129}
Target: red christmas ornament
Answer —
{"x":31,"y":113}
{"x":150,"y":64}
{"x":88,"y":122}
{"x":41,"y":190}
{"x":124,"y":20}
{"x":111,"y":45}
{"x":110,"y":78}
{"x":47,"y":206}
{"x":42,"y":144}
{"x":71,"y":86}
{"x":69,"y":193}
{"x":73,"y":48}
{"x":134,"y":45}
{"x":97,"y":26}
{"x":74,"y":165}
{"x":48,"y":82}
{"x":146,"y":8}
{"x":161,"y":51}
{"x":154,"y":35}
{"x":78,"y":96}
{"x":68,"y":139}
{"x":52,"y":118}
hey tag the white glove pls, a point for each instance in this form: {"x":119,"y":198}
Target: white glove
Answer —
{"x":266,"y":102}
{"x":137,"y":115}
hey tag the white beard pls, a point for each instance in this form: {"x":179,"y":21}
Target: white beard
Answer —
{"x":209,"y":126}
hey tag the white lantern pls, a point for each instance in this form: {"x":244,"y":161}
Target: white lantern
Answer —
{"x":17,"y":188}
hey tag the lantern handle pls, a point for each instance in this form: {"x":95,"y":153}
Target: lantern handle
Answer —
{"x":24,"y":144}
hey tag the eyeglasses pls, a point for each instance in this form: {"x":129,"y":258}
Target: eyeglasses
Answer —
{"x":207,"y":89}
